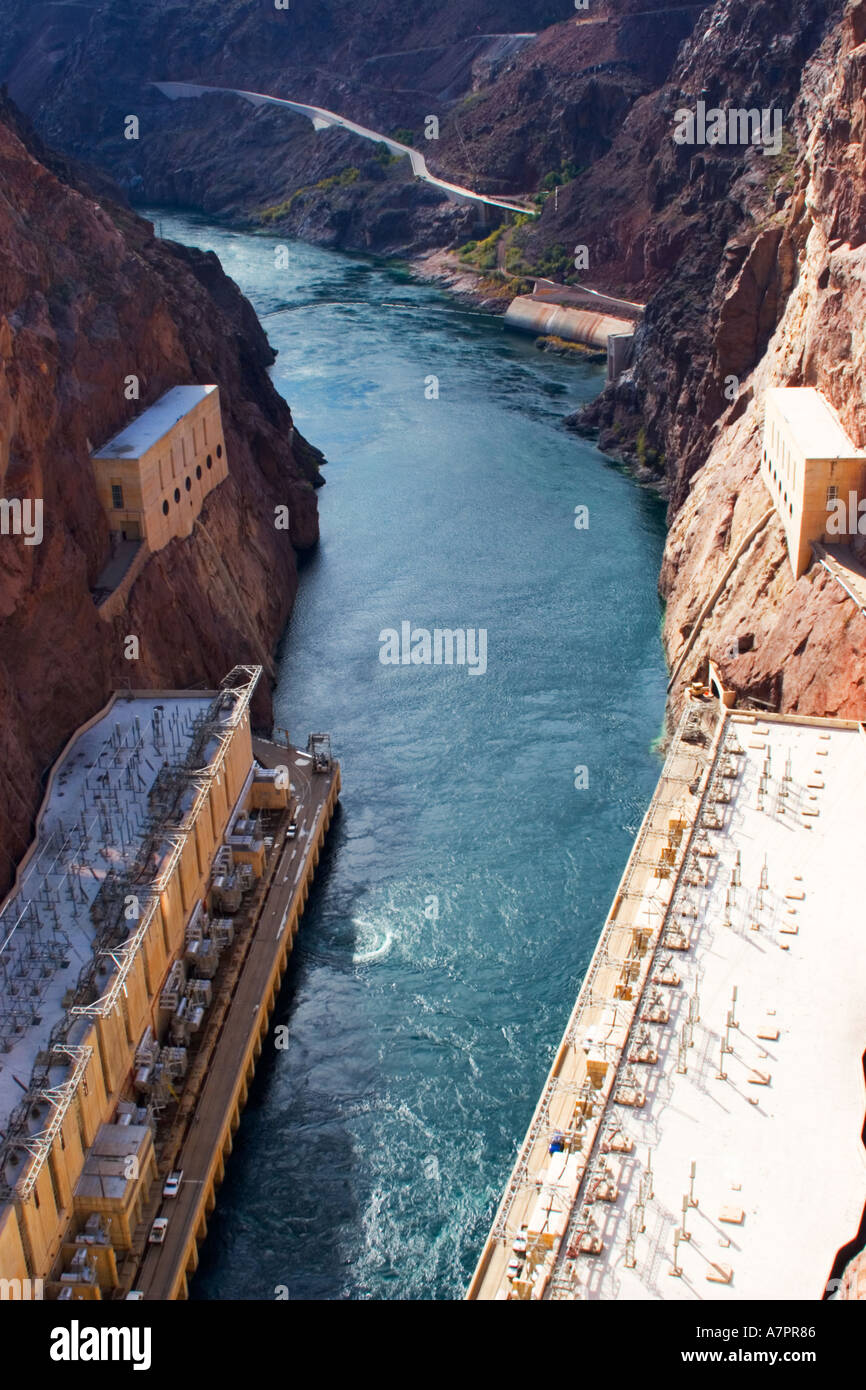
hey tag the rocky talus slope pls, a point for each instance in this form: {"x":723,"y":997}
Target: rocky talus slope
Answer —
{"x":87,"y":297}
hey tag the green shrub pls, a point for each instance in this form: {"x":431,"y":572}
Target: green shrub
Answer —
{"x":554,"y":262}
{"x":482,"y":254}
{"x":384,"y":155}
{"x":783,"y":166}
{"x":281,"y":210}
{"x":345,"y":176}
{"x":556,"y":178}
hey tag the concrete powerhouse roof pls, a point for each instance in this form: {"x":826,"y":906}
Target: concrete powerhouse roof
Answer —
{"x":147,"y":429}
{"x":814,"y":423}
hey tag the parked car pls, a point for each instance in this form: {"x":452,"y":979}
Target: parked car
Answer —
{"x":134,"y":1296}
{"x":171,"y":1186}
{"x":158,"y":1230}
{"x":292,"y":830}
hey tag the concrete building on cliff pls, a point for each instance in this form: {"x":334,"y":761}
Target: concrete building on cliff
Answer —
{"x":152,"y":477}
{"x":810,"y":468}
{"x":149,"y":834}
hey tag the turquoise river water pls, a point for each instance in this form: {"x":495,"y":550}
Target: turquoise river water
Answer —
{"x":467,"y":877}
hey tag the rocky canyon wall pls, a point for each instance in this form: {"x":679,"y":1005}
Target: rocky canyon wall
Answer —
{"x":754,"y":272}
{"x":512,"y":111}
{"x":88,"y":297}
{"x":749,"y":265}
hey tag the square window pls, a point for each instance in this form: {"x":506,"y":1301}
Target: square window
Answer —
{"x":117,"y":497}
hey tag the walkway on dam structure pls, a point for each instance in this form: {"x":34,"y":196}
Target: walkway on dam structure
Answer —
{"x":205,"y":1127}
{"x":322,"y":119}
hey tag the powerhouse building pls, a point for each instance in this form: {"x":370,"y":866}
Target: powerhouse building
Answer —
{"x":147,"y":839}
{"x":699,"y":1134}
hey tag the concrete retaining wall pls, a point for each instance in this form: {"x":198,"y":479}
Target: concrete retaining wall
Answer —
{"x":620,"y":353}
{"x":115,"y":604}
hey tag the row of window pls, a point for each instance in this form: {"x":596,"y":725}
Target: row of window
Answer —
{"x":778,"y":481}
{"x":188,"y":481}
{"x":832,"y":490}
{"x":117,"y":488}
{"x":182,"y":448}
{"x":781,"y":451}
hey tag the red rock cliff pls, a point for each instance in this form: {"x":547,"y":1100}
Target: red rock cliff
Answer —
{"x":752,"y":267}
{"x":800,"y":285}
{"x":88,"y":296}
{"x":512,"y":110}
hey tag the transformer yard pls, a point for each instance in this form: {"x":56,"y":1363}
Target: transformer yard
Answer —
{"x":141,"y":951}
{"x":699,"y":1133}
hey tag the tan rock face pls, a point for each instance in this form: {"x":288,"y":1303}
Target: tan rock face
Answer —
{"x":752,"y":268}
{"x":854,"y":1280}
{"x":87,"y":298}
{"x":799,"y":646}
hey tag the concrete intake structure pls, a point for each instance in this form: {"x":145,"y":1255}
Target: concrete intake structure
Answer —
{"x":560,"y":321}
{"x":154,"y":475}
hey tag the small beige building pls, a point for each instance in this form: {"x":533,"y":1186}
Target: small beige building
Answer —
{"x":154,"y":475}
{"x":810,"y":467}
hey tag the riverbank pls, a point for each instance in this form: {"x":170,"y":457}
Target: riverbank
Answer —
{"x":489,"y":292}
{"x":574,"y":334}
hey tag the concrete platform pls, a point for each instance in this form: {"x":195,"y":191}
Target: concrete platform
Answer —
{"x":773,"y":1123}
{"x":115,"y":570}
{"x":207,"y":1142}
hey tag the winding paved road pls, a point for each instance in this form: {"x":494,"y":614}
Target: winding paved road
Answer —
{"x":322,"y":119}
